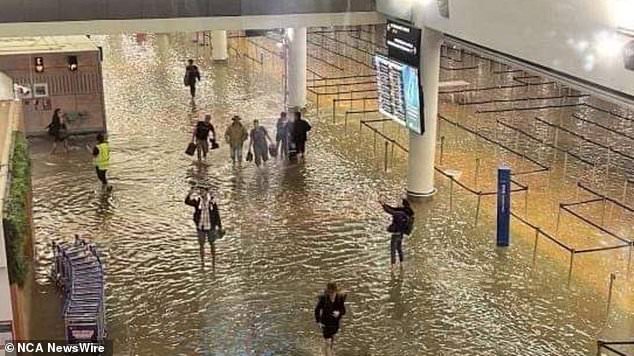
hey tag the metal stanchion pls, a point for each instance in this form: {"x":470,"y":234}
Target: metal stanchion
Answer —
{"x":318,"y":109}
{"x":385,"y":157}
{"x":558,"y":219}
{"x":477,"y":213}
{"x":612,"y":278}
{"x":350,"y":97}
{"x":333,"y":110}
{"x":451,"y":194}
{"x":629,"y":260}
{"x":477,"y":173}
{"x":363,"y":108}
{"x":572,"y":261}
{"x":535,"y":247}
{"x":374,"y":142}
{"x":392,"y":154}
{"x":442,"y":148}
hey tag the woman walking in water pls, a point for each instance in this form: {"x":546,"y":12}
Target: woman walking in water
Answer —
{"x":58,"y":129}
{"x":328,"y":312}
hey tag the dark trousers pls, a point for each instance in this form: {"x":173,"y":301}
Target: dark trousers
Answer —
{"x":300,"y":146}
{"x":102,"y":176}
{"x":396,"y":246}
{"x":192,"y":90}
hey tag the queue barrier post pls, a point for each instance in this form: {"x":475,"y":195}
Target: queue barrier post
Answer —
{"x":572,"y":261}
{"x":477,"y":172}
{"x":610,"y":287}
{"x":442,"y":148}
{"x":629,"y":259}
{"x":451,"y":179}
{"x":535,"y":247}
{"x":477,"y":213}
{"x":385,"y":156}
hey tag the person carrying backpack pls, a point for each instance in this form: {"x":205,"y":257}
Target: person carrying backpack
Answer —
{"x":402,"y":224}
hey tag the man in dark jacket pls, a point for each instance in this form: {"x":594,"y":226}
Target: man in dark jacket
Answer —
{"x":191,"y":76}
{"x":300,"y":129}
{"x":402,"y":218}
{"x":200,"y":136}
{"x":207,"y":219}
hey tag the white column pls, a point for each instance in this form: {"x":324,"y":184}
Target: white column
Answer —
{"x":219,"y":45}
{"x":296,"y":38}
{"x":422,"y":148}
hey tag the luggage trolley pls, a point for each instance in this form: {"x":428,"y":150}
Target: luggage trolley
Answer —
{"x":79,"y":274}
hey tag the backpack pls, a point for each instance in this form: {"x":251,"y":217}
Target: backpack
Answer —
{"x":402,"y":223}
{"x":202,"y":131}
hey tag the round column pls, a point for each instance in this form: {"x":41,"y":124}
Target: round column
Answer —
{"x":219,"y":45}
{"x":296,"y":39}
{"x":422,"y":148}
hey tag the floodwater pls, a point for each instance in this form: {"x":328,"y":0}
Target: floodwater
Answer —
{"x":290,"y":229}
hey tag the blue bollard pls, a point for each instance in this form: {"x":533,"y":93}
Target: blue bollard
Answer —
{"x":504,"y":206}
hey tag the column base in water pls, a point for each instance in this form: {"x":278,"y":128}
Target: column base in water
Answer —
{"x":421,"y":195}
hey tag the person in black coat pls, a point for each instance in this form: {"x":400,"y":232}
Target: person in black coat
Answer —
{"x":207,"y":219}
{"x":328,"y":313}
{"x":58,"y":130}
{"x":300,"y":128}
{"x":192,"y":74}
{"x":396,"y":243}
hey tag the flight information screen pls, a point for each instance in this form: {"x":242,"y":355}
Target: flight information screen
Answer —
{"x":399,"y":92}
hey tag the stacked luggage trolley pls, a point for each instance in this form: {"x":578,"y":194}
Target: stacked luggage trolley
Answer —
{"x":79,"y":273}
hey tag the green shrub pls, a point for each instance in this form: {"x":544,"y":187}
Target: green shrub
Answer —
{"x":15,"y":220}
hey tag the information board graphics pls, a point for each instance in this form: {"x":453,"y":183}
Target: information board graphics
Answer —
{"x":398,"y":88}
{"x":403,"y":42}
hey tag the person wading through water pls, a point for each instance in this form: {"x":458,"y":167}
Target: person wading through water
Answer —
{"x":192,"y":74}
{"x":101,"y":154}
{"x":402,"y":224}
{"x":207,"y":219}
{"x":200,"y":136}
{"x":58,"y":130}
{"x":329,"y":310}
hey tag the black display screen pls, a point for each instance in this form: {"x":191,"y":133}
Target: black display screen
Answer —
{"x":403,"y":42}
{"x":628,"y":55}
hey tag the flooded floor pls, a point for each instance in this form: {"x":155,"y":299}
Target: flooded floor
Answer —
{"x":290,"y":229}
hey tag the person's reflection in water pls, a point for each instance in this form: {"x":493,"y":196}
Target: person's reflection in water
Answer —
{"x":396,"y":286}
{"x":198,"y":173}
{"x":293,"y":178}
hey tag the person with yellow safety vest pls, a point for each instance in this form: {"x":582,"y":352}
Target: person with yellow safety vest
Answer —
{"x":101,"y":154}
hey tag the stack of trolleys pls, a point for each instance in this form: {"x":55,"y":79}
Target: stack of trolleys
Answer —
{"x":79,"y":274}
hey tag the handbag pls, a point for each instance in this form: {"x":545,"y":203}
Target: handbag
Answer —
{"x":191,"y":149}
{"x":273,"y":150}
{"x":214,"y":145}
{"x":249,"y":156}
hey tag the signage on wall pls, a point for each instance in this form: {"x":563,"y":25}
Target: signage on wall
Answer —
{"x":403,"y":42}
{"x":400,"y":96}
